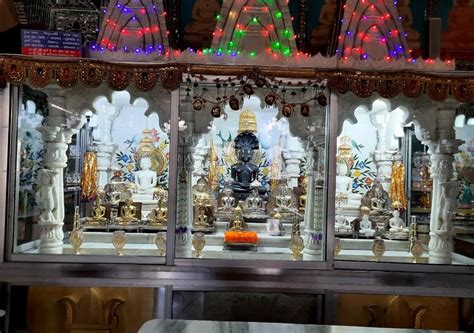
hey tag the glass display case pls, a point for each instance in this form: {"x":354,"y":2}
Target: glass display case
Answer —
{"x":91,"y":174}
{"x":393,"y":183}
{"x":252,"y":181}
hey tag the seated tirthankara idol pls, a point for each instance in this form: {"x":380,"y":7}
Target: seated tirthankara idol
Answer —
{"x":397,"y":230}
{"x":380,"y":205}
{"x":254,"y":206}
{"x":366,"y":228}
{"x":351,"y":203}
{"x":145,"y":180}
{"x":245,"y":172}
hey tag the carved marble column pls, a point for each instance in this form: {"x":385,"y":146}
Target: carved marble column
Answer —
{"x":186,"y":152}
{"x":292,"y":158}
{"x":381,"y":156}
{"x":314,"y":209}
{"x":103,"y":140}
{"x":56,"y":136}
{"x":442,"y":151}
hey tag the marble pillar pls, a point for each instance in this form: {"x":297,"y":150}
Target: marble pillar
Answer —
{"x":314,"y":209}
{"x":441,"y":151}
{"x":381,"y":156}
{"x":56,"y":137}
{"x":292,"y":157}
{"x":106,"y":115}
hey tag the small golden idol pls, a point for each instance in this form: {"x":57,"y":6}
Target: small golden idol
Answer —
{"x":119,"y":239}
{"x":160,"y":242}
{"x":297,"y":246}
{"x":199,"y":242}
{"x":378,"y":249}
{"x":128,"y":213}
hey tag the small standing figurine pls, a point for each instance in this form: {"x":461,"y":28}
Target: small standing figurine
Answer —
{"x":128,"y":213}
{"x":303,"y":197}
{"x":46,"y":181}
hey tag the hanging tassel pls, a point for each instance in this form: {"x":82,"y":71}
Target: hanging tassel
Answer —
{"x":89,"y":176}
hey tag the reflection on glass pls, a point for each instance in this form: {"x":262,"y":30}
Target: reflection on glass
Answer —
{"x":386,"y":206}
{"x":249,"y":175}
{"x":111,"y":162}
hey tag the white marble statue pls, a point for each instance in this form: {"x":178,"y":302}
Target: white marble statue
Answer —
{"x":145,"y":179}
{"x":342,"y":225}
{"x":351,"y":204}
{"x":397,"y":224}
{"x":365,"y":224}
{"x":45,"y":195}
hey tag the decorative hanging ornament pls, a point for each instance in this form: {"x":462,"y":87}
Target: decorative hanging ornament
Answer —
{"x":304,"y":110}
{"x":248,"y":89}
{"x":260,"y":82}
{"x":234,"y":103}
{"x":198,"y":104}
{"x":216,"y":111}
{"x":322,"y":100}
{"x":287,"y":110}
{"x":270,"y":99}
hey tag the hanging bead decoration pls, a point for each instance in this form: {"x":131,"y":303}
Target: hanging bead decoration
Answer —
{"x":273,"y":97}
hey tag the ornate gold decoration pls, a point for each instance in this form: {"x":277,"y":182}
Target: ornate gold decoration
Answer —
{"x":15,"y":73}
{"x":76,"y":238}
{"x":98,"y":212}
{"x":389,"y":88}
{"x":213,"y":168}
{"x":91,"y":75}
{"x":160,"y":242}
{"x":412,"y":88}
{"x":89,"y":176}
{"x":297,"y":247}
{"x":247,"y":122}
{"x":145,"y":81}
{"x":337,"y":247}
{"x":146,"y":148}
{"x":437,"y":91}
{"x":363,"y":83}
{"x":119,"y":239}
{"x":344,"y":152}
{"x":77,"y":219}
{"x":363,"y":87}
{"x":67,"y":77}
{"x":118,"y":80}
{"x":199,"y":241}
{"x":397,"y":185}
{"x":378,"y":249}
{"x":128,"y":213}
{"x":40,"y":75}
{"x":171,"y":78}
{"x":464,"y":92}
{"x":339,"y":84}
{"x":417,"y":251}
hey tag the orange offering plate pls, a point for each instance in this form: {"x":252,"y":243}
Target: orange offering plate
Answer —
{"x":240,"y":237}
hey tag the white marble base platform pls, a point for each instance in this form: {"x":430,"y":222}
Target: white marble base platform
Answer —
{"x":193,"y":326}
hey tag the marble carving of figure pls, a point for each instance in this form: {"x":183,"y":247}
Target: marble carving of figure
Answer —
{"x":448,"y":204}
{"x":46,"y":195}
{"x":145,"y":179}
